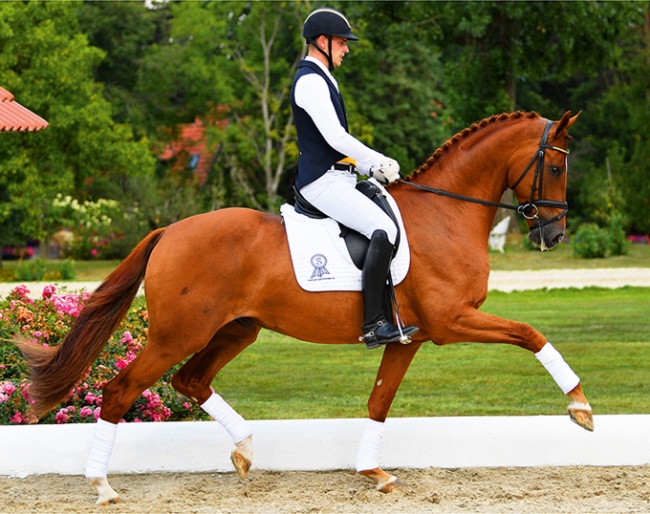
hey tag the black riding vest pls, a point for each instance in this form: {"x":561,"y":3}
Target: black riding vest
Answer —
{"x":316,"y":155}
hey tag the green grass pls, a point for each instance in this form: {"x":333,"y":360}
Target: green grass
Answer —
{"x":94,"y":270}
{"x":561,"y":257}
{"x":86,"y":270}
{"x":603,"y":334}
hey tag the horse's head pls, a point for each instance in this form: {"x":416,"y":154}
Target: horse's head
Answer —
{"x":541,"y":187}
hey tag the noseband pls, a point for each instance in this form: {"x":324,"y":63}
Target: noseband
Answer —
{"x":529,"y":209}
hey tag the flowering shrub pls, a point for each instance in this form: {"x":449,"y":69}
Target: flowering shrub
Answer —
{"x":12,"y":253}
{"x":98,"y":228}
{"x":46,"y":321}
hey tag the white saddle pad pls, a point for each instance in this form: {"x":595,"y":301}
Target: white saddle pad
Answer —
{"x":321,"y":260}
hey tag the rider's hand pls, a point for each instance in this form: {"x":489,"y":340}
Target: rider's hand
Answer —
{"x":387,"y":171}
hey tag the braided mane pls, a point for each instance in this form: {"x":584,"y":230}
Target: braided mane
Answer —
{"x":466,"y":132}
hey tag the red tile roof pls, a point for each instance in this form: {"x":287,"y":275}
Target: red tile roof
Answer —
{"x":190,"y":150}
{"x":16,"y":118}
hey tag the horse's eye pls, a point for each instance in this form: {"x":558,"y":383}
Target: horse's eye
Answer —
{"x":556,"y":170}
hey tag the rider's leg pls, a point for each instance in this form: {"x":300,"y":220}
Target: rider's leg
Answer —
{"x":335,"y":195}
{"x":377,"y":330}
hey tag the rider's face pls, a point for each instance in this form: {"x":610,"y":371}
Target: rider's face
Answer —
{"x":339,"y":48}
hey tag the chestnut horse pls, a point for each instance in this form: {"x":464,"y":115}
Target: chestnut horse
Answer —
{"x":213,"y":281}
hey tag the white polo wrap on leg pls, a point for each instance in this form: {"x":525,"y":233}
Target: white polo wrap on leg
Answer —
{"x":369,"y":446}
{"x":561,"y":372}
{"x":238,"y":428}
{"x":101,"y":449}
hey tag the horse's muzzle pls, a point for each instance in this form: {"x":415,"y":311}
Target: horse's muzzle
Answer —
{"x":547,"y":236}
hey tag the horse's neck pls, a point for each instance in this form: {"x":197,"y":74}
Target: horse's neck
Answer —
{"x":470,"y":167}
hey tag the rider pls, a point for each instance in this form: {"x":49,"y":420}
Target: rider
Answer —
{"x":329,"y":157}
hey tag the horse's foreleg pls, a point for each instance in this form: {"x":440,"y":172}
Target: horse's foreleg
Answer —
{"x":395,"y":361}
{"x":481,"y":327}
{"x":579,"y":409}
{"x":194,"y":379}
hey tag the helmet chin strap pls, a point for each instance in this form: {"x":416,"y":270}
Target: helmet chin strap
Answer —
{"x":330,"y":63}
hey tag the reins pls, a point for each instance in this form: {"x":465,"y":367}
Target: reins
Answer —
{"x":530,"y":209}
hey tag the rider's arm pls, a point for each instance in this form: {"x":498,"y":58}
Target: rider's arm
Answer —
{"x":313,"y":95}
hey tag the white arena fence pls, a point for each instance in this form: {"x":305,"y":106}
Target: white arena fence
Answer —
{"x":328,"y":444}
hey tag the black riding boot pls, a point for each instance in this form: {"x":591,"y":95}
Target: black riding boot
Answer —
{"x":377,"y":330}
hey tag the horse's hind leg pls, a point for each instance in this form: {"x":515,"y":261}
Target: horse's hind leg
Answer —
{"x":118,"y":395}
{"x":194,"y":379}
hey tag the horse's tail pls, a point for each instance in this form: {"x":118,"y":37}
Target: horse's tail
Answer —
{"x":55,"y":370}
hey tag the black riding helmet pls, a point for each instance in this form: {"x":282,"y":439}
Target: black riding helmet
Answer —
{"x":327,"y":22}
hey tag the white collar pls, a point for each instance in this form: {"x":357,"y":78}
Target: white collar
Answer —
{"x":324,"y":68}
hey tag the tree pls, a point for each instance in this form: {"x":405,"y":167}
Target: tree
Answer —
{"x":263,"y":41}
{"x":47,"y":61}
{"x":393,"y":79}
{"x":499,"y":55}
{"x":234,"y":60}
{"x":125,"y":31}
{"x":615,"y":155}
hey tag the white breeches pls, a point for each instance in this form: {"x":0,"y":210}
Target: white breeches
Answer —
{"x":334,"y":194}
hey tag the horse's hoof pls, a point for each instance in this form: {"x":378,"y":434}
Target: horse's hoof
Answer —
{"x":241,"y":463}
{"x":392,"y":485}
{"x":107,"y":495}
{"x":580,"y":414}
{"x":384,"y":482}
{"x":113,"y":501}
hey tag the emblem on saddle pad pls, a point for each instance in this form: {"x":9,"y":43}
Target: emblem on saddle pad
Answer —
{"x":320,"y":257}
{"x":319,"y":262}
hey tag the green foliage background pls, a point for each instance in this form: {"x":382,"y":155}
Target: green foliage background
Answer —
{"x":115,"y":80}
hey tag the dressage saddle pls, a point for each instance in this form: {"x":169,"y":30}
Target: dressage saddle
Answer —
{"x":356,"y":243}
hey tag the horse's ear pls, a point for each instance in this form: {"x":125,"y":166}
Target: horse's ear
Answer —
{"x":564,"y":124}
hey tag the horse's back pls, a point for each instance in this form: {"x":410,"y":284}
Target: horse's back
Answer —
{"x":234,"y":228}
{"x":215,"y":247}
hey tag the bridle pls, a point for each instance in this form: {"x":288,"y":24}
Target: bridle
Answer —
{"x":529,"y":209}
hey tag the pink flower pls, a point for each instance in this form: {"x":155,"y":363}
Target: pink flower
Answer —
{"x":92,"y":399}
{"x":187,"y":405}
{"x":85,"y":411}
{"x":7,"y":387}
{"x":93,"y":252}
{"x":62,"y":416}
{"x":70,"y":304}
{"x":48,"y":291}
{"x":121,"y":364}
{"x":18,"y":418}
{"x":21,"y":291}
{"x":126,"y":338}
{"x":97,"y":412}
